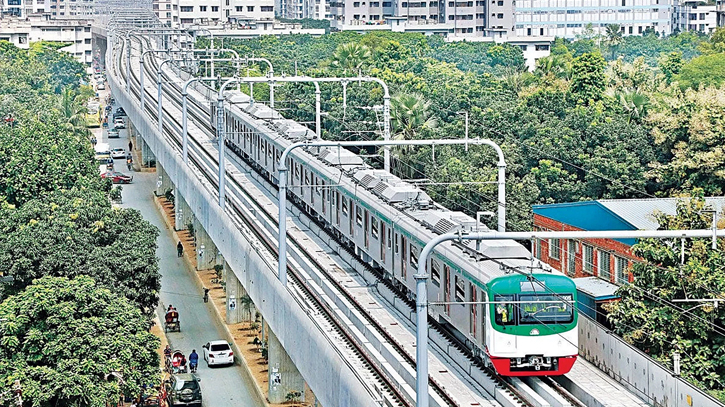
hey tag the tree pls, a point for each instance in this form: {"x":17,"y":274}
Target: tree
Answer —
{"x":634,"y":103}
{"x":77,"y":232}
{"x":671,"y":64}
{"x":614,"y":37}
{"x":351,"y":57}
{"x":410,"y":114}
{"x":587,"y":77}
{"x":71,"y":342}
{"x":706,"y":70}
{"x":645,"y":316}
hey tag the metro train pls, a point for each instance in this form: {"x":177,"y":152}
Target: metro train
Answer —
{"x":523,"y":324}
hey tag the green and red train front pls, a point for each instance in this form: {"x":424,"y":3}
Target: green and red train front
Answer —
{"x":531,"y":329}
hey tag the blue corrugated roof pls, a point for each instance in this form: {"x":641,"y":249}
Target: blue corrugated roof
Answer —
{"x":587,"y":215}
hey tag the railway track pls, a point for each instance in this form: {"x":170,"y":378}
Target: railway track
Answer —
{"x":513,"y":393}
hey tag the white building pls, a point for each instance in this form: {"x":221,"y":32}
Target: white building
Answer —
{"x":299,"y":9}
{"x":23,"y":31}
{"x":692,"y":16}
{"x":183,"y":13}
{"x":460,"y":18}
{"x":567,"y":18}
{"x":56,"y":8}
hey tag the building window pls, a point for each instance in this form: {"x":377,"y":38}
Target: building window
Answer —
{"x":87,"y":40}
{"x":202,"y":8}
{"x":543,"y":47}
{"x":239,"y":9}
{"x":621,"y":264}
{"x":571,"y":257}
{"x":187,"y":9}
{"x":604,"y":262}
{"x":250,"y":9}
{"x":267,"y":9}
{"x":588,"y":259}
{"x":554,"y":249}
{"x":214,"y":9}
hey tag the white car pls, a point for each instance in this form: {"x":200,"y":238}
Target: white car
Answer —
{"x":119,"y":124}
{"x":218,"y":353}
{"x":118,"y":153}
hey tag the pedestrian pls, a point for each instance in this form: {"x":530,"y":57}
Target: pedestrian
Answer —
{"x":206,"y":294}
{"x":179,"y":249}
{"x":130,"y":146}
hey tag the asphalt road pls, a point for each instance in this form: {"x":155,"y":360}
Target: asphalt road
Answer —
{"x":221,"y":386}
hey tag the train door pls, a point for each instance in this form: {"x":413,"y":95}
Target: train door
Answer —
{"x":474,"y":312}
{"x":403,"y":257}
{"x":447,"y":288}
{"x":366,"y":228}
{"x":324,"y":198}
{"x":382,"y":241}
{"x":351,"y":215}
{"x":337,"y":207}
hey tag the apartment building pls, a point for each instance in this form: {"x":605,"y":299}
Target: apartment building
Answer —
{"x":720,"y":8}
{"x":693,"y":16}
{"x":56,"y":8}
{"x":184,"y":13}
{"x":459,"y":18}
{"x":42,"y":27}
{"x":567,"y":18}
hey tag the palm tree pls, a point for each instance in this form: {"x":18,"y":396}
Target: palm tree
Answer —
{"x":614,"y":37}
{"x":351,"y":56}
{"x":634,"y":103}
{"x":410,"y":114}
{"x":74,"y":112}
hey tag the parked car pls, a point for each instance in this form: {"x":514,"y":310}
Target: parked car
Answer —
{"x":113,"y":133}
{"x":119,"y":123}
{"x":101,"y":86}
{"x":118,"y":153}
{"x":218,"y":353}
{"x":183,"y":390}
{"x":117,"y":177}
{"x":120,"y":111}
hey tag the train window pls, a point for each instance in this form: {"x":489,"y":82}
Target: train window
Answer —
{"x":307,"y":178}
{"x":504,"y":310}
{"x":447,"y":288}
{"x":396,"y":244}
{"x":460,"y":289}
{"x":390,"y":238}
{"x":435,"y":273}
{"x":374,"y":223}
{"x":328,"y":193}
{"x":318,"y":189}
{"x":413,"y":256}
{"x":344,"y":206}
{"x":382,"y":241}
{"x":366,"y":228}
{"x":324,"y":207}
{"x":358,"y":216}
{"x":297,"y":171}
{"x":546,"y":309}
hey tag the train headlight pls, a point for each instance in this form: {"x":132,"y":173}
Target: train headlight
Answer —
{"x":534,"y":332}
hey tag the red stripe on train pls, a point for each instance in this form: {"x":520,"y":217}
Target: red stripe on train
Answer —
{"x":503,"y":367}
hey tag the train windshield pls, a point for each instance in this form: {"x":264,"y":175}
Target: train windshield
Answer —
{"x":546,"y":309}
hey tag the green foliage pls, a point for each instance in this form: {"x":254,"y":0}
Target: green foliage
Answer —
{"x":646,"y":321}
{"x":307,"y":23}
{"x":78,"y":233}
{"x":587,"y":77}
{"x":63,"y":339}
{"x":706,"y":70}
{"x":671,"y":64}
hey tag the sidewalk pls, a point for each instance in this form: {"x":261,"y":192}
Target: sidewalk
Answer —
{"x":242,"y":334}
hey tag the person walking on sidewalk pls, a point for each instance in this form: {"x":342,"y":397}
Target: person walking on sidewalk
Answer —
{"x":130,"y":146}
{"x":179,"y":249}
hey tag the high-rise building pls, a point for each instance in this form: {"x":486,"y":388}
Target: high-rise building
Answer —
{"x":183,"y":13}
{"x":567,"y":18}
{"x":55,"y":8}
{"x":462,"y":18}
{"x":694,"y":16}
{"x":75,"y":31}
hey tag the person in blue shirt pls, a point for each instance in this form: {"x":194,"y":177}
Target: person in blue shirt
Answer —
{"x":193,"y":360}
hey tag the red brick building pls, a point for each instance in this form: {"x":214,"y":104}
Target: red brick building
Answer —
{"x":608,"y":259}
